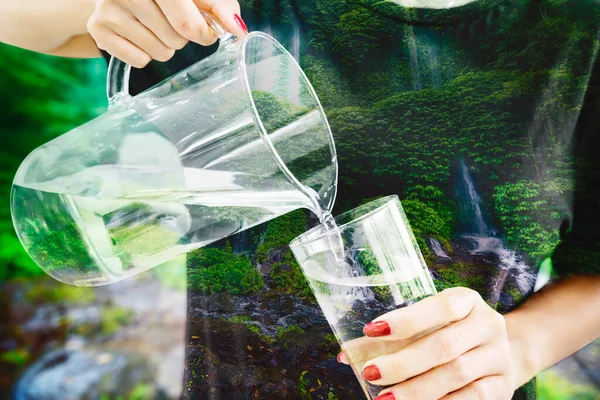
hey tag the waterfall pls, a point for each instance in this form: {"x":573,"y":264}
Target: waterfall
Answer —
{"x":295,"y":48}
{"x":486,"y":241}
{"x":239,"y":242}
{"x":414,"y":59}
{"x":295,"y":79}
{"x":480,"y":227}
{"x":436,"y":247}
{"x":433,"y":60}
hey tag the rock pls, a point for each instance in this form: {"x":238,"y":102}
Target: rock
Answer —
{"x":284,"y":304}
{"x":265,"y":268}
{"x":276,"y":256}
{"x":83,"y":375}
{"x":216,"y":303}
{"x":435,"y":274}
{"x":506,"y":301}
{"x":227,"y":360}
{"x":358,"y":306}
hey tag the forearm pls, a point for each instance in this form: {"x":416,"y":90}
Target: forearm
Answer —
{"x":47,"y":26}
{"x":553,"y":324}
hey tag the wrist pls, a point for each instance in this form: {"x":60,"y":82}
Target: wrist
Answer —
{"x":522,"y":348}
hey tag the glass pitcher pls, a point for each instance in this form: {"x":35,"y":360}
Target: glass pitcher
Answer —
{"x":235,"y":140}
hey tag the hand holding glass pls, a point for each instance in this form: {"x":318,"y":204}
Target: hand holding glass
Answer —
{"x":368,"y":265}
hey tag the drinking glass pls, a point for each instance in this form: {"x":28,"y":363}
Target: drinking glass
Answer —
{"x":368,"y":265}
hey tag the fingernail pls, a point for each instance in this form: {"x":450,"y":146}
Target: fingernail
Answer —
{"x":371,"y":373}
{"x":375,"y":329}
{"x":240,"y":22}
{"x":343,"y":358}
{"x":386,"y":396}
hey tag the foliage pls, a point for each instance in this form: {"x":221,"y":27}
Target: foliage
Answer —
{"x":303,"y":384}
{"x":142,"y":391}
{"x":114,"y":318}
{"x":552,"y":386}
{"x":275,"y":112}
{"x":280,"y":232}
{"x":289,"y":278}
{"x":44,"y":97}
{"x":54,"y":292}
{"x":244,"y":320}
{"x":213,"y":270}
{"x":18,"y":357}
{"x":424,"y":220}
{"x":528,"y":217}
{"x":289,"y":333}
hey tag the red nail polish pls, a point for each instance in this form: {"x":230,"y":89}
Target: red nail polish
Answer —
{"x":343,"y":358}
{"x":375,"y":329}
{"x":371,"y":373}
{"x":240,"y":22}
{"x":386,"y":396}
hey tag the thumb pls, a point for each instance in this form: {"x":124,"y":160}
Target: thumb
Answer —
{"x":227,"y":12}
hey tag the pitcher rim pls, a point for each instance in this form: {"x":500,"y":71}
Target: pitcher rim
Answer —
{"x":263,"y":130}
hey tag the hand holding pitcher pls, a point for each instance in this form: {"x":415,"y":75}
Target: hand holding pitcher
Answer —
{"x":138,"y":31}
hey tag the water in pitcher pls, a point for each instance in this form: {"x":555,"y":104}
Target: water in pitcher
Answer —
{"x":100,"y":225}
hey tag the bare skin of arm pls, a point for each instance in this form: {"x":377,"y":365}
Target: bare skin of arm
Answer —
{"x":57,"y":27}
{"x":135,"y":31}
{"x":555,"y":323}
{"x":453,"y":346}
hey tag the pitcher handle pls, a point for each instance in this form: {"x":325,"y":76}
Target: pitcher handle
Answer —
{"x":117,"y":78}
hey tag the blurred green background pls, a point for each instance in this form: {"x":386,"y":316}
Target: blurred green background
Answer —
{"x":42,"y":97}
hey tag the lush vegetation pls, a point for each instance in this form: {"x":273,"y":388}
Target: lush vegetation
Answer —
{"x":213,"y":270}
{"x":407,"y":104}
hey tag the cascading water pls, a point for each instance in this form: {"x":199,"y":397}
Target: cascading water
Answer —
{"x":486,"y":241}
{"x":295,"y":80}
{"x":437,"y":249}
{"x":295,"y":48}
{"x":433,"y":60}
{"x":411,"y":40}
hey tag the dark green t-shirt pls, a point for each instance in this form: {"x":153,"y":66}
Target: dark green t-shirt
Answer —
{"x":484,"y":119}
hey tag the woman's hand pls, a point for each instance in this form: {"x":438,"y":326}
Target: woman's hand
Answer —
{"x":137,"y":31}
{"x":449,"y":346}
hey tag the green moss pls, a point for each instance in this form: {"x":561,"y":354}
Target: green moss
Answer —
{"x":289,"y":278}
{"x":239,"y":319}
{"x":18,"y":357}
{"x":303,"y":384}
{"x":244,"y":320}
{"x":552,"y":386}
{"x":45,"y":292}
{"x":214,"y":270}
{"x":113,"y":318}
{"x":142,"y":391}
{"x":289,"y":335}
{"x":280,"y":232}
{"x":516,"y":294}
{"x":450,"y":277}
{"x":329,"y":339}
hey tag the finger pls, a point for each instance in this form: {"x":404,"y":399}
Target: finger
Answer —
{"x":458,"y":373}
{"x":358,"y":351}
{"x":488,"y":388}
{"x":184,"y":17}
{"x":132,"y":30}
{"x":446,"y":307}
{"x":118,"y":47}
{"x":152,"y":17}
{"x":227,"y":12}
{"x":437,"y":348}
